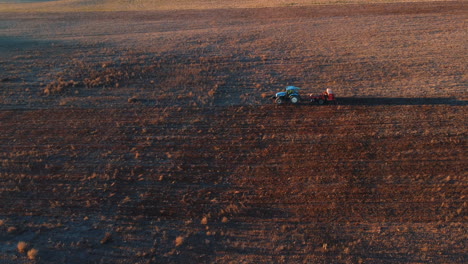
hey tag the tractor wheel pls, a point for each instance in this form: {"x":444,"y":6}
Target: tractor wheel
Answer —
{"x":321,"y":101}
{"x":279,"y":101}
{"x":294,"y":99}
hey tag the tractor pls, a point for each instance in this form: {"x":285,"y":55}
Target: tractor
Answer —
{"x":290,"y":95}
{"x":327,"y":97}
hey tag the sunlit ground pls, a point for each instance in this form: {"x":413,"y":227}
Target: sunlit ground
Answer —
{"x":129,"y":5}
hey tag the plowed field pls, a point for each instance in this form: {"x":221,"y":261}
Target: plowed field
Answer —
{"x":149,"y":137}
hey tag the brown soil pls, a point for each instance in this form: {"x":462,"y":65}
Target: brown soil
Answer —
{"x":149,"y":137}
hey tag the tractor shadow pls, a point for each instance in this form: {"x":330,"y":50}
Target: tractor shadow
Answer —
{"x":399,"y":101}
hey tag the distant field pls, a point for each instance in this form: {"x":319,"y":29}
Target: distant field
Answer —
{"x":151,"y":137}
{"x":134,"y":5}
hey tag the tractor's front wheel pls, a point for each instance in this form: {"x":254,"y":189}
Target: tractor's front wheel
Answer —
{"x":279,"y":100}
{"x":294,"y":99}
{"x":321,"y":101}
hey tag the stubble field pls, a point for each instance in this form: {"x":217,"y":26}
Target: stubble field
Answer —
{"x":149,"y":137}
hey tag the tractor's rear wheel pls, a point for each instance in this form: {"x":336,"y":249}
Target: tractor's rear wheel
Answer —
{"x":294,"y":99}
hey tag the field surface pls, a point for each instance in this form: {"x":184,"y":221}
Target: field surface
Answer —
{"x":150,"y":137}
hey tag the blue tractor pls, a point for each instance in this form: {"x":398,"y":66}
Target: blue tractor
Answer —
{"x":290,"y":95}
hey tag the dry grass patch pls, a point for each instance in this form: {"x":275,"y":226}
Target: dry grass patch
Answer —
{"x":12,"y":229}
{"x":107,"y":238}
{"x":22,"y":246}
{"x":179,"y":241}
{"x":32,"y":254}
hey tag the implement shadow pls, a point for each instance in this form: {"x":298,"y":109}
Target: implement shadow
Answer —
{"x":399,"y":101}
